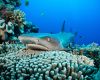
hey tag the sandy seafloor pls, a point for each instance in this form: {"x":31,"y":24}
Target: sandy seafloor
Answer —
{"x":19,"y":63}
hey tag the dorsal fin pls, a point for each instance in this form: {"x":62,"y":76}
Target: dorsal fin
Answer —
{"x":63,"y":26}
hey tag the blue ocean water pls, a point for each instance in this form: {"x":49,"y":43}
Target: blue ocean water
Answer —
{"x":81,"y":16}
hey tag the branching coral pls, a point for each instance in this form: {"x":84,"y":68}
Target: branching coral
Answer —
{"x":19,"y":19}
{"x":45,"y":65}
{"x":16,"y":16}
{"x":19,"y":16}
{"x":8,"y":16}
{"x":6,"y":48}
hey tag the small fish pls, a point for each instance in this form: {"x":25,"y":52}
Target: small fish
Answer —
{"x":42,"y":14}
{"x":26,"y":2}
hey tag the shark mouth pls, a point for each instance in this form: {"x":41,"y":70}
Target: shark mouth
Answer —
{"x":37,"y":47}
{"x":34,"y":43}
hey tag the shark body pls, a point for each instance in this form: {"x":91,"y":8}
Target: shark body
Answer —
{"x":47,"y":41}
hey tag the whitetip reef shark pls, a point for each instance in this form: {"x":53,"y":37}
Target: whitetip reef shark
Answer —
{"x":47,"y":41}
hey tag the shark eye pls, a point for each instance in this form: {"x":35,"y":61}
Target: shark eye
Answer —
{"x":48,"y":39}
{"x":38,"y":41}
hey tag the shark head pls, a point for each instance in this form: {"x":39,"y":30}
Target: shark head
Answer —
{"x":42,"y":43}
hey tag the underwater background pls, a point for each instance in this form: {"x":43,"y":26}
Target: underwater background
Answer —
{"x":37,"y":40}
{"x":81,"y":16}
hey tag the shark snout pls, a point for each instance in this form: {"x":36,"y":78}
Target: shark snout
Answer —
{"x":28,"y":40}
{"x":33,"y":43}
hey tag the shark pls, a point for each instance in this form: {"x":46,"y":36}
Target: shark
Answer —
{"x":48,"y":41}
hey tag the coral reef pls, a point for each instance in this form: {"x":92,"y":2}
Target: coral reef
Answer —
{"x":6,"y":28}
{"x":19,"y":63}
{"x":91,"y":47}
{"x":45,"y":65}
{"x":97,"y":75}
{"x":19,"y":16}
{"x":12,"y":21}
{"x":9,"y":4}
{"x":6,"y":48}
{"x":92,"y":51}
